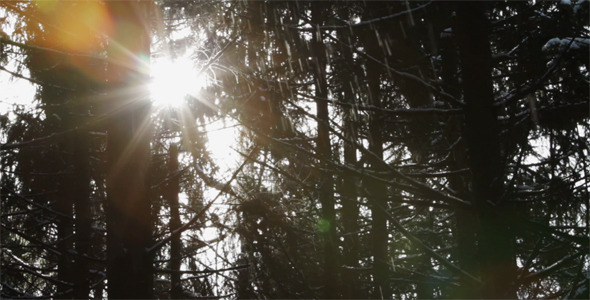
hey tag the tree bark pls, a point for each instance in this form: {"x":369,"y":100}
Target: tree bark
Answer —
{"x":57,"y":158}
{"x":465,"y":220}
{"x":80,"y":182}
{"x":496,"y":252}
{"x":129,"y":221}
{"x":326,"y":183}
{"x":350,"y":207}
{"x":377,"y":191}
{"x":173,"y":189}
{"x":378,"y":196}
{"x":65,"y":243}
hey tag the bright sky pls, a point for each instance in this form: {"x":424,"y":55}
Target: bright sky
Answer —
{"x":14,"y":90}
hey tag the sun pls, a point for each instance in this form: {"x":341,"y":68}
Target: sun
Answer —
{"x":173,"y":80}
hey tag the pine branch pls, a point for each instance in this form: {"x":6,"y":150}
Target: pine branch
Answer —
{"x":187,"y":225}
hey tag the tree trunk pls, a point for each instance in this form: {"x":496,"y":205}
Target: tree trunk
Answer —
{"x":378,"y":195}
{"x":496,"y":252}
{"x":377,"y":190}
{"x":83,"y":222}
{"x":173,"y":189}
{"x":64,"y":244}
{"x":465,"y":221}
{"x":407,"y":55}
{"x":350,"y":207}
{"x":326,"y":183}
{"x":50,"y":69}
{"x":129,"y":221}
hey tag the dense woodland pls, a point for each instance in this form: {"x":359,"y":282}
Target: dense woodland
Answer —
{"x":399,"y":149}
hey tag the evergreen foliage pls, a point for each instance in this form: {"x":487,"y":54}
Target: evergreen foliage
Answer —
{"x":395,"y":149}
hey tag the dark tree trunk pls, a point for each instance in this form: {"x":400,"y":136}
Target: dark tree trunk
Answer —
{"x":255,"y":25}
{"x":377,"y":190}
{"x":465,"y":221}
{"x":172,"y":191}
{"x":80,"y":182}
{"x":57,"y":159}
{"x":407,"y":55}
{"x":129,"y":221}
{"x":326,"y":182}
{"x":64,"y":203}
{"x":350,"y":207}
{"x":496,"y":252}
{"x":65,"y":242}
{"x":378,"y":195}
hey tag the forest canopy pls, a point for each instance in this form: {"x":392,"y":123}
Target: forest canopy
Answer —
{"x":261,"y":149}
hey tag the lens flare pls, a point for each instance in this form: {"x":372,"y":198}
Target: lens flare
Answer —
{"x":74,"y":26}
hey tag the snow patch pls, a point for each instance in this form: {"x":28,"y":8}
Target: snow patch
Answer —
{"x":557,"y":42}
{"x":447,"y":32}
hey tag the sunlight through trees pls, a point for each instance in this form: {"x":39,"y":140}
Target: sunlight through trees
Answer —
{"x":294,"y":149}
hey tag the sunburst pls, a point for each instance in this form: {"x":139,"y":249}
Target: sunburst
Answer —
{"x":172,"y":80}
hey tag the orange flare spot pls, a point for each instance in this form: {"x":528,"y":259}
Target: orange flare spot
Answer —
{"x":74,"y":26}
